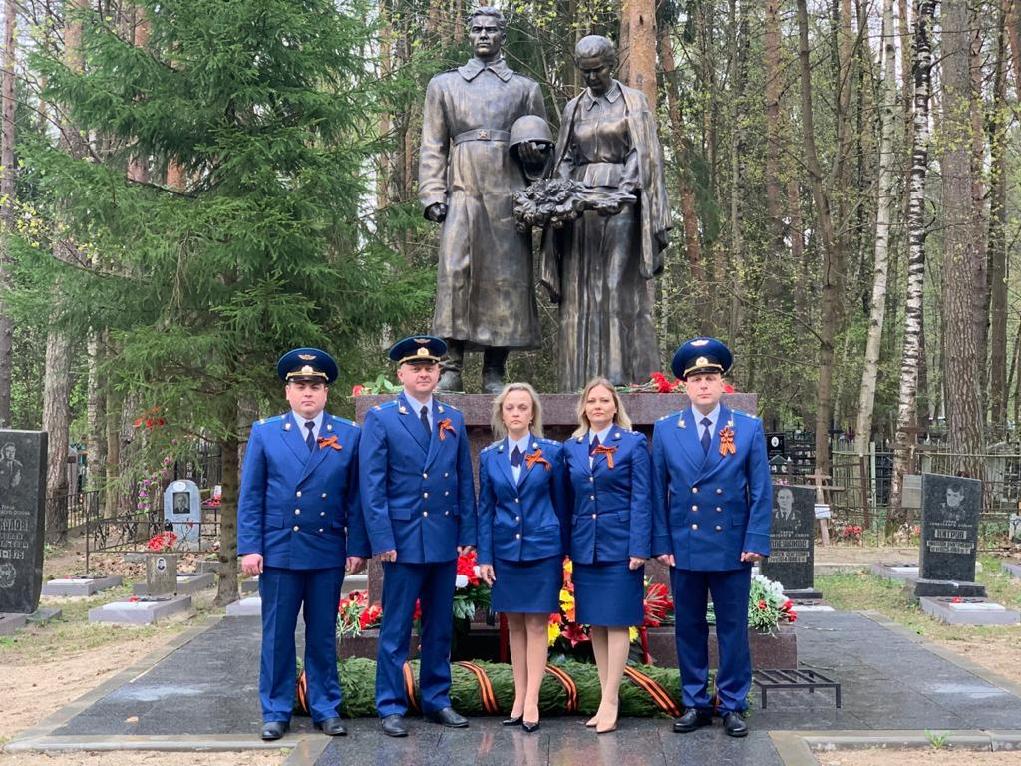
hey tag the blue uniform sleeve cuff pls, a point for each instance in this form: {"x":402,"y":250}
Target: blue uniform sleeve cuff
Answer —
{"x":661,"y":545}
{"x":755,"y":542}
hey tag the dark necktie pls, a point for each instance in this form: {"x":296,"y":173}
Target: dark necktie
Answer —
{"x":516,"y":457}
{"x":310,"y":440}
{"x":593,"y":445}
{"x":424,"y":414}
{"x":706,"y":438}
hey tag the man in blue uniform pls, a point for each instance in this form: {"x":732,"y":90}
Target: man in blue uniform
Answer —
{"x":418,"y":495}
{"x":299,"y":522}
{"x":711,"y":502}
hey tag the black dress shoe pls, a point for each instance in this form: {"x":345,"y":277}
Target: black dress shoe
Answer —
{"x":448,"y":717}
{"x":734,"y":725}
{"x":529,"y":726}
{"x":274,"y":729}
{"x":692,"y":719}
{"x":513,"y":721}
{"x":393,"y":726}
{"x":331,"y":726}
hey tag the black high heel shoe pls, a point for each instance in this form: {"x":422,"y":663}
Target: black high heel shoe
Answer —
{"x":529,"y":726}
{"x":513,"y":721}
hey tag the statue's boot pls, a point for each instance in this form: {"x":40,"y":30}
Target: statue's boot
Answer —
{"x":494,"y":369}
{"x":450,"y":375}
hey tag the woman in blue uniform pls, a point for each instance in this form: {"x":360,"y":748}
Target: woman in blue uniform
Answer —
{"x":609,"y":472}
{"x":523,"y":532}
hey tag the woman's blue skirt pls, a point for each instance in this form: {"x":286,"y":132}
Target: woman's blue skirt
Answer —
{"x":610,"y":594}
{"x":528,"y":586}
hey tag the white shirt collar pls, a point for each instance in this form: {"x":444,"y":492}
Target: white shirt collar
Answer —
{"x":713,"y":417}
{"x":523,"y":444}
{"x":301,"y":420}
{"x":417,"y":404}
{"x":601,"y":434}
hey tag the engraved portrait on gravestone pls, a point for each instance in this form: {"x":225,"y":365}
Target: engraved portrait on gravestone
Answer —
{"x":952,"y":503}
{"x":785,"y":507}
{"x":10,"y":467}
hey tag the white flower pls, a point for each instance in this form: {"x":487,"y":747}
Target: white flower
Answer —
{"x":461,"y":581}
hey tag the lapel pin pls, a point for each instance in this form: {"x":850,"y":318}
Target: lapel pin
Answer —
{"x":287,"y":426}
{"x":616,"y":435}
{"x":535,"y":445}
{"x":440,"y":408}
{"x":580,"y":438}
{"x":329,"y":426}
{"x":500,"y":448}
{"x":680,"y":421}
{"x":403,"y":410}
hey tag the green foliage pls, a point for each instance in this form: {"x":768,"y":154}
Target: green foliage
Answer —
{"x":269,"y":111}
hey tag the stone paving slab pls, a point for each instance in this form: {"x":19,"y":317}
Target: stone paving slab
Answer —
{"x":892,"y":680}
{"x":44,"y":614}
{"x":80,"y":586}
{"x":11,"y":621}
{"x":249,"y":606}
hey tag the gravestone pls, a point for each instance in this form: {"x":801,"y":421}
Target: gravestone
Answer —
{"x":792,"y":539}
{"x":161,"y":574}
{"x":950,"y":509}
{"x":182,"y":511}
{"x":1014,"y":528}
{"x":22,"y":519}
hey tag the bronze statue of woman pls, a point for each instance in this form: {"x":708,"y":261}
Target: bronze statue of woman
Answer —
{"x":598,"y":268}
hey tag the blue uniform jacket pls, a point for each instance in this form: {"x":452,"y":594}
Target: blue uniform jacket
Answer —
{"x":528,"y":519}
{"x":612,"y":517}
{"x":300,"y":509}
{"x":708,"y":508}
{"x":418,"y":494}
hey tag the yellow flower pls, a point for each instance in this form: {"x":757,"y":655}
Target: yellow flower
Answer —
{"x":568,"y":566}
{"x":632,"y":633}
{"x":552,"y":633}
{"x":566,"y":597}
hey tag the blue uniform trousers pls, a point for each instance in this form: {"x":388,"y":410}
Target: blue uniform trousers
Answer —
{"x":730,"y":601}
{"x":403,"y":584}
{"x":283,"y":593}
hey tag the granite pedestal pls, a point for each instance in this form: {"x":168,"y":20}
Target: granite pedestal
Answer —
{"x":44,"y":614}
{"x":250,"y":606}
{"x":769,"y":650}
{"x":140,"y":612}
{"x":923,"y":587}
{"x":968,"y":611}
{"x":185,"y":584}
{"x":80,"y":586}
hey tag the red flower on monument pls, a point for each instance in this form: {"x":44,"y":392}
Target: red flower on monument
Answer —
{"x":575,"y":633}
{"x":357,"y":390}
{"x":467,"y":566}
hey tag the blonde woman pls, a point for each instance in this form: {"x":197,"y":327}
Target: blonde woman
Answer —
{"x":523,"y":517}
{"x":609,"y":472}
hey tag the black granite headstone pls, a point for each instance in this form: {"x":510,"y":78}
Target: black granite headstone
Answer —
{"x":950,"y":508}
{"x":22,"y":518}
{"x":792,"y":539}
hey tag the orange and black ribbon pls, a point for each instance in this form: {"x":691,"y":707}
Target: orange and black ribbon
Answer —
{"x":302,"y":692}
{"x":409,"y":687}
{"x":329,"y":441}
{"x":727,"y":442}
{"x":536,"y":457}
{"x":570,"y":688}
{"x":444,"y":426}
{"x":486,"y":692}
{"x":602,"y":449}
{"x":655,"y":690}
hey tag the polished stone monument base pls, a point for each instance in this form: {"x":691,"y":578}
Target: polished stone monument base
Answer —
{"x":778,"y":649}
{"x":922,"y":587}
{"x":250,"y":606}
{"x":968,"y":611}
{"x":803,"y":594}
{"x":140,"y":612}
{"x":11,"y":621}
{"x":80,"y":586}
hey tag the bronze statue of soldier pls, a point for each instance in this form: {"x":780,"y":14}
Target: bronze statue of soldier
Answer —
{"x":467,"y":177}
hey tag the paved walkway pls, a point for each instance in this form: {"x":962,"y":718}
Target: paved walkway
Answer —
{"x":204,"y":693}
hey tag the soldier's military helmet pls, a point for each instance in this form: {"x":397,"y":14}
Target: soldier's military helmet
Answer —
{"x":702,"y":355}
{"x":530,"y":127}
{"x":418,"y":349}
{"x":309,"y":365}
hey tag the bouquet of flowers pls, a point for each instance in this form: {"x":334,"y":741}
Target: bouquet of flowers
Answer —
{"x":768,"y":607}
{"x":161,"y":543}
{"x":355,"y":614}
{"x":471,"y":594}
{"x":555,"y":202}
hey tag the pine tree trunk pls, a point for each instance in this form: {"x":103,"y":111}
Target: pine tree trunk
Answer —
{"x":884,"y":209}
{"x":906,"y":438}
{"x":738,"y":76}
{"x":227,"y":582}
{"x":56,"y":420}
{"x":7,"y":190}
{"x":771,"y":61}
{"x":96,"y":440}
{"x":638,"y":47}
{"x":831,"y":256}
{"x":963,"y":261}
{"x":997,"y":239}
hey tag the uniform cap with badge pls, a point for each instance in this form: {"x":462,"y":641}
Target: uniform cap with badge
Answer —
{"x":701,"y":355}
{"x":307,"y":365}
{"x":418,"y":349}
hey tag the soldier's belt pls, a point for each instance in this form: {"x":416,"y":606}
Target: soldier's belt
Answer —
{"x":482,"y":134}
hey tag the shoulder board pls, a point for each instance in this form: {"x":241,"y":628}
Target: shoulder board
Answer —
{"x":265,"y":421}
{"x":447,"y":405}
{"x":345,"y":421}
{"x":547,"y":442}
{"x":386,"y":405}
{"x":740,"y":414}
{"x":671,"y":415}
{"x":492,"y":446}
